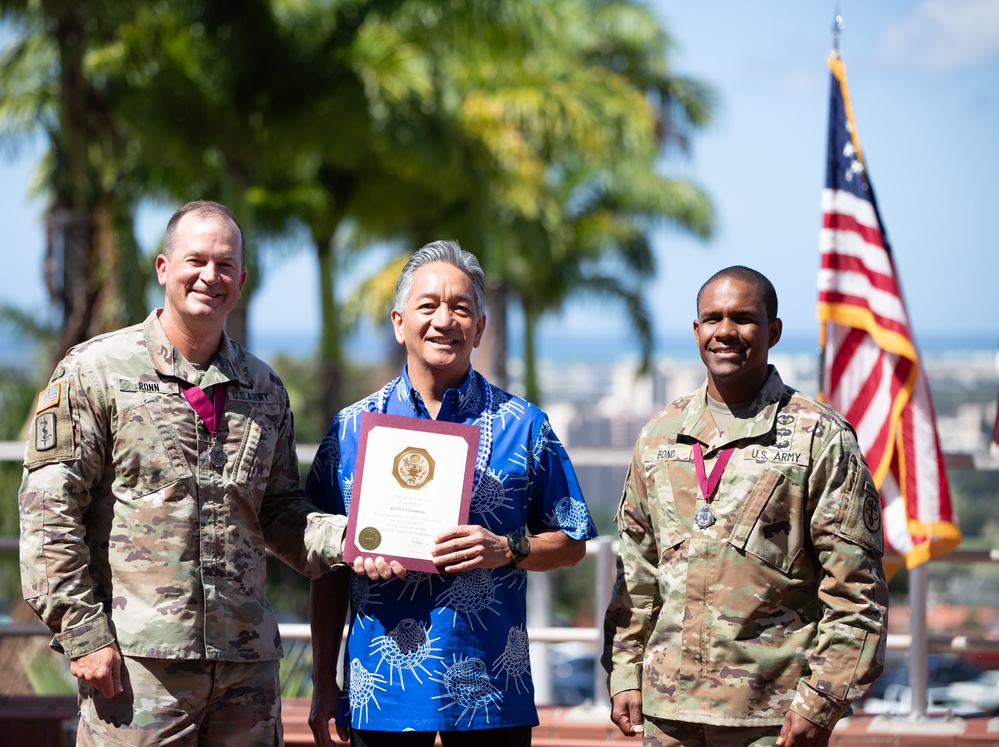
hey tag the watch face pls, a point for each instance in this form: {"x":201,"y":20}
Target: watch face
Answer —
{"x":519,"y":544}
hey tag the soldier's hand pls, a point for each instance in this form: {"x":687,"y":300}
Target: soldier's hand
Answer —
{"x":325,"y":699}
{"x":378,"y":568}
{"x":798,"y":731}
{"x":469,"y":546}
{"x":101,"y":669}
{"x":626,"y":712}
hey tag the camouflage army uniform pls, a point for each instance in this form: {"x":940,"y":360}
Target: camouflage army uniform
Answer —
{"x":130,"y":534}
{"x":779,"y":604}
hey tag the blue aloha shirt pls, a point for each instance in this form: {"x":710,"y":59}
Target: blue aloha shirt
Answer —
{"x":445,"y":653}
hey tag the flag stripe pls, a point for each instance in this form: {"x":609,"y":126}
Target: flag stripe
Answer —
{"x":836,"y":221}
{"x":835,"y":265}
{"x":842,"y":201}
{"x":849,"y":244}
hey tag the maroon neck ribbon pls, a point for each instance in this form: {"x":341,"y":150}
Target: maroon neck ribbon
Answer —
{"x":708,"y":484}
{"x":209,"y":410}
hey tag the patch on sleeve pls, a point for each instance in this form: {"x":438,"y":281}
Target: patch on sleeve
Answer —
{"x":872,"y":511}
{"x":860,"y":518}
{"x":45,"y":431}
{"x":51,"y":436}
{"x":49,"y":398}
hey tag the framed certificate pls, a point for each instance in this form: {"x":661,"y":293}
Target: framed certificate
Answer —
{"x":413,"y":479}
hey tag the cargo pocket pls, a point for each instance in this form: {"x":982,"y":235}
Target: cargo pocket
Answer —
{"x":771,"y":526}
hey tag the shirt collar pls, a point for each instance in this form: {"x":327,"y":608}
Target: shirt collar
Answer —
{"x":455,"y":402}
{"x":168,"y":362}
{"x":698,"y":425}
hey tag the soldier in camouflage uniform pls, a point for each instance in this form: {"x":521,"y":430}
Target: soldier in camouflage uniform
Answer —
{"x":750,"y":602}
{"x":146,"y":507}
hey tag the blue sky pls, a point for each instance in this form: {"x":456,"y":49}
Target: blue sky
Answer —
{"x":924,"y":80}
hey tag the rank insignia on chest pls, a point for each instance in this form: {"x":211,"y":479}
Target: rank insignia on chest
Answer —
{"x":783,"y":430}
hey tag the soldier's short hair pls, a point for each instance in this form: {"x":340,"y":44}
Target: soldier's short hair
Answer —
{"x":751,"y":277}
{"x":203,"y":209}
{"x":450,"y":253}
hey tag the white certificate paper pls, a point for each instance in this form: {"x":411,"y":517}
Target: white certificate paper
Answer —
{"x":413,"y":479}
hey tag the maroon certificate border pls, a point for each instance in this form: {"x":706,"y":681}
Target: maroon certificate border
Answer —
{"x":369,"y":420}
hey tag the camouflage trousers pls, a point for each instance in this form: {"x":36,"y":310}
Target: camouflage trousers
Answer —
{"x":662,"y":733}
{"x":181,"y":702}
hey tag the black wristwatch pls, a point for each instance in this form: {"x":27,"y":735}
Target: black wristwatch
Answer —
{"x":520,"y":546}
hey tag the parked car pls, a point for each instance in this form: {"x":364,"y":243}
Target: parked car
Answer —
{"x":573,"y":666}
{"x":982,"y":692}
{"x":941,"y":670}
{"x":897,"y":701}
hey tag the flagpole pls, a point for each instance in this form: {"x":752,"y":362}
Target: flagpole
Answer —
{"x":822,"y":394}
{"x":919,"y":652}
{"x":838,"y":26}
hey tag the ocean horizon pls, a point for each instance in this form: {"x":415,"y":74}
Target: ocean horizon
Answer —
{"x":373,"y":348}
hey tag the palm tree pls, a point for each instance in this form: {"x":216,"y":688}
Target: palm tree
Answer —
{"x":603,"y":192}
{"x":48,"y":81}
{"x":560,"y":112}
{"x":606,"y":254}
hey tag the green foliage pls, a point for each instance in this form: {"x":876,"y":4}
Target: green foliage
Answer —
{"x":296,"y":669}
{"x":300,"y":377}
{"x":974,"y":493}
{"x":17,"y":392}
{"x":48,"y":673}
{"x":574,"y":600}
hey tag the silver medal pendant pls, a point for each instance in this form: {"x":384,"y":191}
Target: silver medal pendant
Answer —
{"x":704,"y":517}
{"x":216,"y":456}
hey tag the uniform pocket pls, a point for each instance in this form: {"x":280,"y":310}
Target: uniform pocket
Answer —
{"x":147,"y":452}
{"x":662,"y":505}
{"x":771,"y":525}
{"x":256,"y":427}
{"x":847,"y":648}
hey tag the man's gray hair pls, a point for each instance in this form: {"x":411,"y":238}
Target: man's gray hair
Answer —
{"x":449,"y":253}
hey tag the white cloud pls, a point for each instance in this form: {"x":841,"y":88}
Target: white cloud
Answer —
{"x":943,"y":36}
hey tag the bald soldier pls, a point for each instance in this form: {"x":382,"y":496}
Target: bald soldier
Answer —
{"x":160,"y":464}
{"x":750,"y":601}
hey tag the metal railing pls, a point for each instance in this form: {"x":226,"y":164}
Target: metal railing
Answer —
{"x":603,"y":551}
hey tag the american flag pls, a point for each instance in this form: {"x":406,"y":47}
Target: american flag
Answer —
{"x":48,"y":398}
{"x":872,"y":371}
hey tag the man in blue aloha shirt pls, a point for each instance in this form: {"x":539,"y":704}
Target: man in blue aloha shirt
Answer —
{"x":447,"y":653}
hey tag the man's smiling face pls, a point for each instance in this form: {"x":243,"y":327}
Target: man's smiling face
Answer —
{"x":734,"y":337}
{"x":440,"y":324}
{"x":203,"y":275}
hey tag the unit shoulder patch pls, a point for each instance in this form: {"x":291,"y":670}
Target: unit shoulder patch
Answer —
{"x":49,"y":397}
{"x":51,"y":436}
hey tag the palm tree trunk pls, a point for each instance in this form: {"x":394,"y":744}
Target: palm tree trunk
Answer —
{"x":532,"y":391}
{"x":330,"y":348}
{"x":498,"y":346}
{"x":68,"y":259}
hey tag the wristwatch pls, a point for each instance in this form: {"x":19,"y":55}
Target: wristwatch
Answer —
{"x":520,"y":546}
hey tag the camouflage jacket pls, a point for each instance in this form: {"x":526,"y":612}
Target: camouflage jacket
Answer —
{"x":130,"y":533}
{"x":782,"y":602}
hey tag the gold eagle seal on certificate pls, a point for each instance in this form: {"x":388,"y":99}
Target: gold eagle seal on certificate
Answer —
{"x":413,"y":468}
